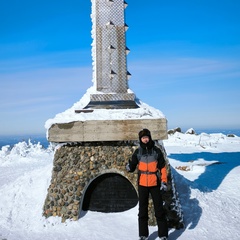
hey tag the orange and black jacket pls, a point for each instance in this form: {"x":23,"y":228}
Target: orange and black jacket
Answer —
{"x":151,"y":166}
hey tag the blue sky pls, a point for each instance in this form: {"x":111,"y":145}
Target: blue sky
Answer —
{"x":184,"y":60}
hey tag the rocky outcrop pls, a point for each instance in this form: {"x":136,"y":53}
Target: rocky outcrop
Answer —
{"x":231,"y":135}
{"x":190,"y":131}
{"x":172,"y":131}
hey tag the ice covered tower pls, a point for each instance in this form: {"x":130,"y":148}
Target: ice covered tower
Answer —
{"x":109,"y":51}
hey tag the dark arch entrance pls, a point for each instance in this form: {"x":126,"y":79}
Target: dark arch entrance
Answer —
{"x":110,"y":192}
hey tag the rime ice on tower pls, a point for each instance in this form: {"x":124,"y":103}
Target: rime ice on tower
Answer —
{"x":109,"y":51}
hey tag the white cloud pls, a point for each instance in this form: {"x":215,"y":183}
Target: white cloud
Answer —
{"x":177,"y":68}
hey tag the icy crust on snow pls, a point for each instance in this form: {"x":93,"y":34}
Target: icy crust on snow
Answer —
{"x":143,"y":112}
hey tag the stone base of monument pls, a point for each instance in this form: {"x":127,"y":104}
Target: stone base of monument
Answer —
{"x":92,"y":176}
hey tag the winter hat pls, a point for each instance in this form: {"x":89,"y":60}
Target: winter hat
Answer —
{"x":144,"y":132}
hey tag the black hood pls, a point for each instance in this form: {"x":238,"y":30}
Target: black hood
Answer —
{"x":146,"y":132}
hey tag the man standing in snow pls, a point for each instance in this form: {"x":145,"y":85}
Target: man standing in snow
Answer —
{"x":151,"y":180}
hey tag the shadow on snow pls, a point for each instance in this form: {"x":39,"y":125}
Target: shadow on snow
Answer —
{"x":215,"y":173}
{"x":208,"y":181}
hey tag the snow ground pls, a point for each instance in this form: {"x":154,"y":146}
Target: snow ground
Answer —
{"x":209,"y":193}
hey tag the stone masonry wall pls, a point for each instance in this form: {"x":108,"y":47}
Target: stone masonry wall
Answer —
{"x":75,"y":165}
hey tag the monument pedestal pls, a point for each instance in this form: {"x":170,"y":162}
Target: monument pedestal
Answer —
{"x":79,"y":170}
{"x":106,"y":130}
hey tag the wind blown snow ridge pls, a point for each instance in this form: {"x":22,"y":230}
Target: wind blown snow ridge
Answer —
{"x":209,"y":193}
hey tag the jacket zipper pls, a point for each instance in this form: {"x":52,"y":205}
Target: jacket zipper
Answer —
{"x":147,"y":167}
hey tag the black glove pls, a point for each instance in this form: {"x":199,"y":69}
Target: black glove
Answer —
{"x":163,"y":186}
{"x":128,"y":167}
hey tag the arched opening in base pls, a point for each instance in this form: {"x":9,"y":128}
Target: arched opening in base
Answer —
{"x":110,"y":192}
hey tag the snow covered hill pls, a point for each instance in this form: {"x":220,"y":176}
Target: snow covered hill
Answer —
{"x":207,"y":175}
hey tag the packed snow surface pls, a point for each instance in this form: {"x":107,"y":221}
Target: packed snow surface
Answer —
{"x":208,"y":189}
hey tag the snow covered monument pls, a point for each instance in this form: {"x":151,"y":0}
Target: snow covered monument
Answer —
{"x":100,"y":132}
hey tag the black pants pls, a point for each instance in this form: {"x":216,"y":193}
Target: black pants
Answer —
{"x":155,"y":192}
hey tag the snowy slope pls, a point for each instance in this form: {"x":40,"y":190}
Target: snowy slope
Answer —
{"x":209,"y":193}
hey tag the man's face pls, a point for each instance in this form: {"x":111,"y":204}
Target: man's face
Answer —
{"x":145,"y":139}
